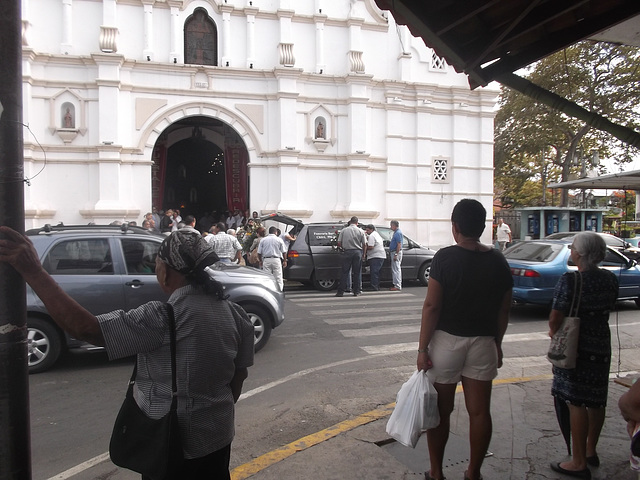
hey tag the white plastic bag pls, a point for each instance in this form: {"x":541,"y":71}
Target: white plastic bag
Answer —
{"x":416,"y":410}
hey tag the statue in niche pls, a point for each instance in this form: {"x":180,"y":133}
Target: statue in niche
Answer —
{"x":320,"y":130}
{"x":68,"y":119}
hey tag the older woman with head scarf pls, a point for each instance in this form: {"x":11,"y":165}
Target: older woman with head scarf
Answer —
{"x":208,"y":385}
{"x":585,"y":388}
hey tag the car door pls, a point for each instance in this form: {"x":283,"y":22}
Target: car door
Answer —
{"x":139,"y":280}
{"x":84,"y":268}
{"x":626,"y":271}
{"x":325,"y":256}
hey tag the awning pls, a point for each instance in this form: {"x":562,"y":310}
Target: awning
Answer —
{"x":615,"y":181}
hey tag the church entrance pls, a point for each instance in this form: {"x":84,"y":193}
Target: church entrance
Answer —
{"x":200,"y":167}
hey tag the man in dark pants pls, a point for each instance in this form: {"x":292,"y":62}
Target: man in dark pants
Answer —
{"x":354,"y":244}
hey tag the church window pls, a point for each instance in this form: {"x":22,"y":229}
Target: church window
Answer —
{"x":200,"y":39}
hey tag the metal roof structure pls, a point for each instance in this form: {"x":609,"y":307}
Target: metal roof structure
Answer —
{"x":486,"y":39}
{"x":615,"y":181}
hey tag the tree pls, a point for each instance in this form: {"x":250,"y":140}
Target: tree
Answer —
{"x":534,"y":142}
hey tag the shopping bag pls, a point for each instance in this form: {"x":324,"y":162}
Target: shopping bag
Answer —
{"x":416,"y":410}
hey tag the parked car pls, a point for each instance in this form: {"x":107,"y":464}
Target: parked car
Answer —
{"x":314,"y":258}
{"x":537,"y":265}
{"x":111,"y":267}
{"x":618,"y":243}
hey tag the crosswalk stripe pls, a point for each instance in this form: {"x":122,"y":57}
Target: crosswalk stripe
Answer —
{"x":371,"y":319}
{"x":364,"y":296}
{"x":370,"y":332}
{"x":358,"y":303}
{"x":360,"y":311}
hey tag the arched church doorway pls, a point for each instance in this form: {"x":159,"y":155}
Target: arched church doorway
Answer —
{"x":200,"y":167}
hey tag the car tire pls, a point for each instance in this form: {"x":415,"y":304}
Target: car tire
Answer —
{"x":423,"y":273}
{"x":637,"y":300}
{"x":261,"y":324}
{"x":324,"y":285}
{"x":44,"y":345}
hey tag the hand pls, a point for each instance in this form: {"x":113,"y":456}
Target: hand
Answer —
{"x":424,"y":362}
{"x":500,"y":355}
{"x":18,"y":251}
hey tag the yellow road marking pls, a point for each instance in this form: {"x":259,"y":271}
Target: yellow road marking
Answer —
{"x":270,"y":458}
{"x":275,"y":456}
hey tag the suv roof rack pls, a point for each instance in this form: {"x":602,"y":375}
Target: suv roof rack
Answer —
{"x":48,"y":228}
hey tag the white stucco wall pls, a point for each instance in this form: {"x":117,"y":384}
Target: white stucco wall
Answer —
{"x":386,"y":124}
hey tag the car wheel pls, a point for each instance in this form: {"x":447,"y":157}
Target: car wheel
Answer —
{"x":44,"y":345}
{"x":637,"y":300}
{"x":324,"y":285}
{"x":423,"y":274}
{"x":261,"y":324}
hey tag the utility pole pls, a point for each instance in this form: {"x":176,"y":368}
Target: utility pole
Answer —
{"x":15,"y":442}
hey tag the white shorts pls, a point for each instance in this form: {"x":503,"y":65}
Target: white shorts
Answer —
{"x":455,"y":357}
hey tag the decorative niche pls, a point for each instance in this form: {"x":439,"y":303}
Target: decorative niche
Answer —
{"x":321,"y":128}
{"x":67,"y":115}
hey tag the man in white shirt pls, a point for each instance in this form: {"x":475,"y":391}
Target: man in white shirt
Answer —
{"x":272,"y":255}
{"x":503,"y":234}
{"x":227,"y":247}
{"x":375,"y":254}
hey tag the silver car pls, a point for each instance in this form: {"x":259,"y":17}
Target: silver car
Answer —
{"x":105,"y":268}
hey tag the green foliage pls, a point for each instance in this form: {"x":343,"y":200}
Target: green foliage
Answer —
{"x":535,"y":143}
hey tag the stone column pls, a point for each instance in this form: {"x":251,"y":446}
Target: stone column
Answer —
{"x":147,"y":52}
{"x":251,"y":13}
{"x":108,"y":29}
{"x":320,"y":62}
{"x":288,"y":161}
{"x":66,"y":47}
{"x":108,"y":175}
{"x":226,"y":34}
{"x":175,"y":30}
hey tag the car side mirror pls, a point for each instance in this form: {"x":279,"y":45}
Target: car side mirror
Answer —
{"x":633,"y":263}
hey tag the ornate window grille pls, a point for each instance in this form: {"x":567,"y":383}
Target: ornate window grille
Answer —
{"x":440,"y":170}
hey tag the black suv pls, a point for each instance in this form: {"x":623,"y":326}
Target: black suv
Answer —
{"x":105,"y":268}
{"x":314,"y":258}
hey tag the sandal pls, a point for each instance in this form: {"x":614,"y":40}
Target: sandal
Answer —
{"x":429,"y":477}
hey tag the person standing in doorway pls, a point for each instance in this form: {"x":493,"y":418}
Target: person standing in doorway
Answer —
{"x":395,"y":256}
{"x":375,"y":254}
{"x":503,"y":234}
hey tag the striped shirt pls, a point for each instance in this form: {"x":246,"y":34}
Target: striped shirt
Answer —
{"x":225,"y":245}
{"x":211,"y":344}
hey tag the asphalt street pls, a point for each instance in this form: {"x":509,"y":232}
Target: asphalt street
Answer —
{"x":319,"y":395}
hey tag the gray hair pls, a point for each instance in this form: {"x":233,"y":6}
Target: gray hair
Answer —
{"x":591,"y":247}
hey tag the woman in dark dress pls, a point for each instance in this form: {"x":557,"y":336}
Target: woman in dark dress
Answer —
{"x":584,"y":389}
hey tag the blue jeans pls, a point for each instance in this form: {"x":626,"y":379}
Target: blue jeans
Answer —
{"x":375,"y":264}
{"x":351,"y":259}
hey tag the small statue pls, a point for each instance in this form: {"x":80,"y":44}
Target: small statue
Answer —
{"x":68,"y":119}
{"x":320,"y":130}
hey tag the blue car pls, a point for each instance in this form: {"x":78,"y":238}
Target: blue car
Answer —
{"x":537,"y":265}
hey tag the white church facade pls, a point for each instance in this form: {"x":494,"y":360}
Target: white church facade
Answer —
{"x":319,"y":109}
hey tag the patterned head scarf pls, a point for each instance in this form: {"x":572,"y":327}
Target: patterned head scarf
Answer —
{"x":187,"y":252}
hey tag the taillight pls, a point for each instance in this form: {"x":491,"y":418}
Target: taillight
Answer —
{"x":524,"y":272}
{"x":293,"y":254}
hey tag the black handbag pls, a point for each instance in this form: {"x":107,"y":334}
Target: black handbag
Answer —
{"x":144,"y":445}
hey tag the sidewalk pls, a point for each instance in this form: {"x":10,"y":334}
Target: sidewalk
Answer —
{"x":526,"y":439}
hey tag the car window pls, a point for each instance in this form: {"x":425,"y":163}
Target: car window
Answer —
{"x":612,"y":259}
{"x":80,"y":257}
{"x":534,"y":251}
{"x":323,"y":235}
{"x":140,"y":256}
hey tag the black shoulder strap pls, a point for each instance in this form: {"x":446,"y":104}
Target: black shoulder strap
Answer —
{"x":174,"y":383}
